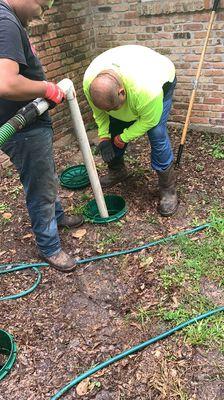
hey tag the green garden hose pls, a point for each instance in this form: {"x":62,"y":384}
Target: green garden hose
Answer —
{"x":144,"y":246}
{"x":7,"y":268}
{"x":133,"y":350}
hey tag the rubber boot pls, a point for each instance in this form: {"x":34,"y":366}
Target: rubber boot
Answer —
{"x":167,"y":189}
{"x":117,"y":172}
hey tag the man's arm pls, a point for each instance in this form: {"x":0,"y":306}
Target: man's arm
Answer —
{"x":149,"y":113}
{"x":14,"y":86}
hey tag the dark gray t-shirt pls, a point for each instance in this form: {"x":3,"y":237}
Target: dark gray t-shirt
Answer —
{"x":15,"y":45}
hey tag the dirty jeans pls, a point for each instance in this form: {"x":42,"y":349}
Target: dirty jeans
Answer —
{"x":31,"y":151}
{"x":161,"y":150}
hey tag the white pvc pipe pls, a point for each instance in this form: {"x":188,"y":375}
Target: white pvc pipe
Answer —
{"x":67,"y":86}
{"x":42,"y":105}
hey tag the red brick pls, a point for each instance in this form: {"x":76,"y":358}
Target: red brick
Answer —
{"x":77,"y":31}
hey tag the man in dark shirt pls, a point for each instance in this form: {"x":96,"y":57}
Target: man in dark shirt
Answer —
{"x":30,"y":150}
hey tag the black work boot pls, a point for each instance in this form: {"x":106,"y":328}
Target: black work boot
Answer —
{"x":71,"y":221}
{"x":60,"y":261}
{"x":117,"y":172}
{"x":167,"y":189}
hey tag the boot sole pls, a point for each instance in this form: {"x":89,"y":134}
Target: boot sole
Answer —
{"x":168,"y":214}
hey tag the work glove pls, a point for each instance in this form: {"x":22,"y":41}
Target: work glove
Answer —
{"x":106,"y":149}
{"x":119,"y":142}
{"x":54,"y":94}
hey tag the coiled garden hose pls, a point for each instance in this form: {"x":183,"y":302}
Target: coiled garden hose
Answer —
{"x":7,"y":268}
{"x":133,"y":350}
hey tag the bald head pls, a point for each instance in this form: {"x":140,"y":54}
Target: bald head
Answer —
{"x":107,"y":91}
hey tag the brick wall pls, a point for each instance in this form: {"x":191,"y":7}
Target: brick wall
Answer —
{"x":65,"y":44}
{"x":176,"y":28}
{"x":76,"y":31}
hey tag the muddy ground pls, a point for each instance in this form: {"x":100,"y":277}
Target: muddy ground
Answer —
{"x":72,"y":322}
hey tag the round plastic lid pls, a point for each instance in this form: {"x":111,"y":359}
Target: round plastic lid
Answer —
{"x":75,"y":177}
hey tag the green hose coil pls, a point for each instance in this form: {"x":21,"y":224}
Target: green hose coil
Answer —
{"x":11,"y":127}
{"x":6,"y":131}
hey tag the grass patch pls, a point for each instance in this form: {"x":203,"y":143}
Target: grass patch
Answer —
{"x":215,"y":146}
{"x":143,"y":315}
{"x":194,"y":258}
{"x":217,"y":150}
{"x":3,"y":208}
{"x":109,"y":239}
{"x":191,"y":258}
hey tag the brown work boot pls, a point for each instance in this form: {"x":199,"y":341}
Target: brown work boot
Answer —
{"x":167,"y":189}
{"x":117,"y":173}
{"x":71,"y":221}
{"x":61,"y":261}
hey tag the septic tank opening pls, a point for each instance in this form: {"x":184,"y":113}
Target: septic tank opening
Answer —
{"x":116,"y":207}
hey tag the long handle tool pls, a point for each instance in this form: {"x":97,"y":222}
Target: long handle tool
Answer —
{"x":184,"y":134}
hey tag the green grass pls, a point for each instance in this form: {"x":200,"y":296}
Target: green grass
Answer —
{"x":199,"y":167}
{"x":143,"y":316}
{"x":3,"y":207}
{"x":78,"y":209}
{"x":207,"y":332}
{"x":215,"y":145}
{"x":15,"y":191}
{"x":109,"y":238}
{"x":194,"y":258}
{"x":217,"y":150}
{"x":151,"y":219}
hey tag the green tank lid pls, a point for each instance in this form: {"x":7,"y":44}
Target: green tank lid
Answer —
{"x":75,"y":177}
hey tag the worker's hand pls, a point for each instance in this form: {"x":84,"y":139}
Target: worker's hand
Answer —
{"x":54,"y":94}
{"x":106,"y":150}
{"x":119,"y":142}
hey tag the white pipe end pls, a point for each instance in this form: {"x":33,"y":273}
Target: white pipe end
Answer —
{"x":68,"y":88}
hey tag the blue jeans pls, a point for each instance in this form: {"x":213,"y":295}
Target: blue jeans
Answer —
{"x":31,"y":151}
{"x":161,"y":151}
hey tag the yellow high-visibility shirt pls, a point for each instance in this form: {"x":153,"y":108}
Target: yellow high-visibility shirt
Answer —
{"x":143,"y":72}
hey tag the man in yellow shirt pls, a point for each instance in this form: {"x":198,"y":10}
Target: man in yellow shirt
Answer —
{"x":129,"y":89}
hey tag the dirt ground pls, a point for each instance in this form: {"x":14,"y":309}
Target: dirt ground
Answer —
{"x":72,"y":322}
